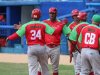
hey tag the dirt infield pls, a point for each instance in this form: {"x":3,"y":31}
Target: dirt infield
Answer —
{"x":22,"y":58}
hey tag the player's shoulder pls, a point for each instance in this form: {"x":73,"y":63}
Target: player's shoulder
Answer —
{"x":46,"y":20}
{"x":43,"y":23}
{"x":71,"y":23}
{"x":85,"y":28}
{"x":27,"y":23}
{"x":38,"y":22}
{"x":83,"y":23}
{"x":58,"y":20}
{"x":92,"y":26}
{"x":95,"y":26}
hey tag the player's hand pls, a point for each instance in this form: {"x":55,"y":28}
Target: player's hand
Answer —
{"x":6,"y":42}
{"x":64,"y":21}
{"x":17,"y":26}
{"x":6,"y":39}
{"x":71,"y":55}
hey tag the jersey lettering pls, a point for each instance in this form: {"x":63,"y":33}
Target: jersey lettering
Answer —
{"x":35,"y":34}
{"x":90,"y":38}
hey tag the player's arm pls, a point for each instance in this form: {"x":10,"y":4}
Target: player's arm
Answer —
{"x":73,"y":35}
{"x":66,"y":30}
{"x":17,"y":26}
{"x":49,"y":29}
{"x":17,"y":34}
{"x":72,"y":38}
{"x":80,"y":38}
{"x":64,"y":21}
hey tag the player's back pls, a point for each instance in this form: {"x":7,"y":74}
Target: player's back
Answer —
{"x":90,"y":37}
{"x":80,"y":26}
{"x":35,"y":33}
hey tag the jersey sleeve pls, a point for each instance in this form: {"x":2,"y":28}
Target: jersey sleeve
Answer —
{"x":73,"y":34}
{"x":80,"y":38}
{"x":49,"y":29}
{"x":68,"y":30}
{"x":65,"y":30}
{"x":21,"y":30}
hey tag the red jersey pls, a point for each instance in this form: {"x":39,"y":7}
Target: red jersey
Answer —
{"x":34,"y":32}
{"x":72,"y":25}
{"x":90,"y":37}
{"x":78,"y":30}
{"x":55,"y":37}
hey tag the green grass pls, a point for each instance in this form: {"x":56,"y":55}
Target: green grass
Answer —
{"x":22,"y":69}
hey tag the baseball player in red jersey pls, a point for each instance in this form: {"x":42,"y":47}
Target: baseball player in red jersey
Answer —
{"x":76,"y":21}
{"x":35,"y":37}
{"x":53,"y":41}
{"x":74,"y":14}
{"x":89,"y":39}
{"x":82,"y":16}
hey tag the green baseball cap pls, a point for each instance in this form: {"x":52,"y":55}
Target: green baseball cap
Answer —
{"x":96,"y":18}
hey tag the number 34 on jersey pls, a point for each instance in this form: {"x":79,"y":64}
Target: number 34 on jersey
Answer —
{"x":35,"y":34}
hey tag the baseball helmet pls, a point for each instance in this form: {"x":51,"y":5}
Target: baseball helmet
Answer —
{"x":75,"y":12}
{"x":82,"y":15}
{"x":52,"y":10}
{"x":96,"y":18}
{"x":36,"y":13}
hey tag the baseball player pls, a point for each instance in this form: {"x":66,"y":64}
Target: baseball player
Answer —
{"x":74,"y":14}
{"x":82,"y":16}
{"x":53,"y":41}
{"x":76,"y":21}
{"x":89,"y":39}
{"x":35,"y":34}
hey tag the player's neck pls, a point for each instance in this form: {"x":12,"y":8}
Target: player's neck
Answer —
{"x":35,"y":19}
{"x":53,"y":20}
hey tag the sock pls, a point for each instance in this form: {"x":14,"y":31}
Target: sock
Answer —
{"x":91,"y":73}
{"x":55,"y":73}
{"x":39,"y":73}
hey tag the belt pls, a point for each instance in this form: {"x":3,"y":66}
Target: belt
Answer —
{"x":52,"y":45}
